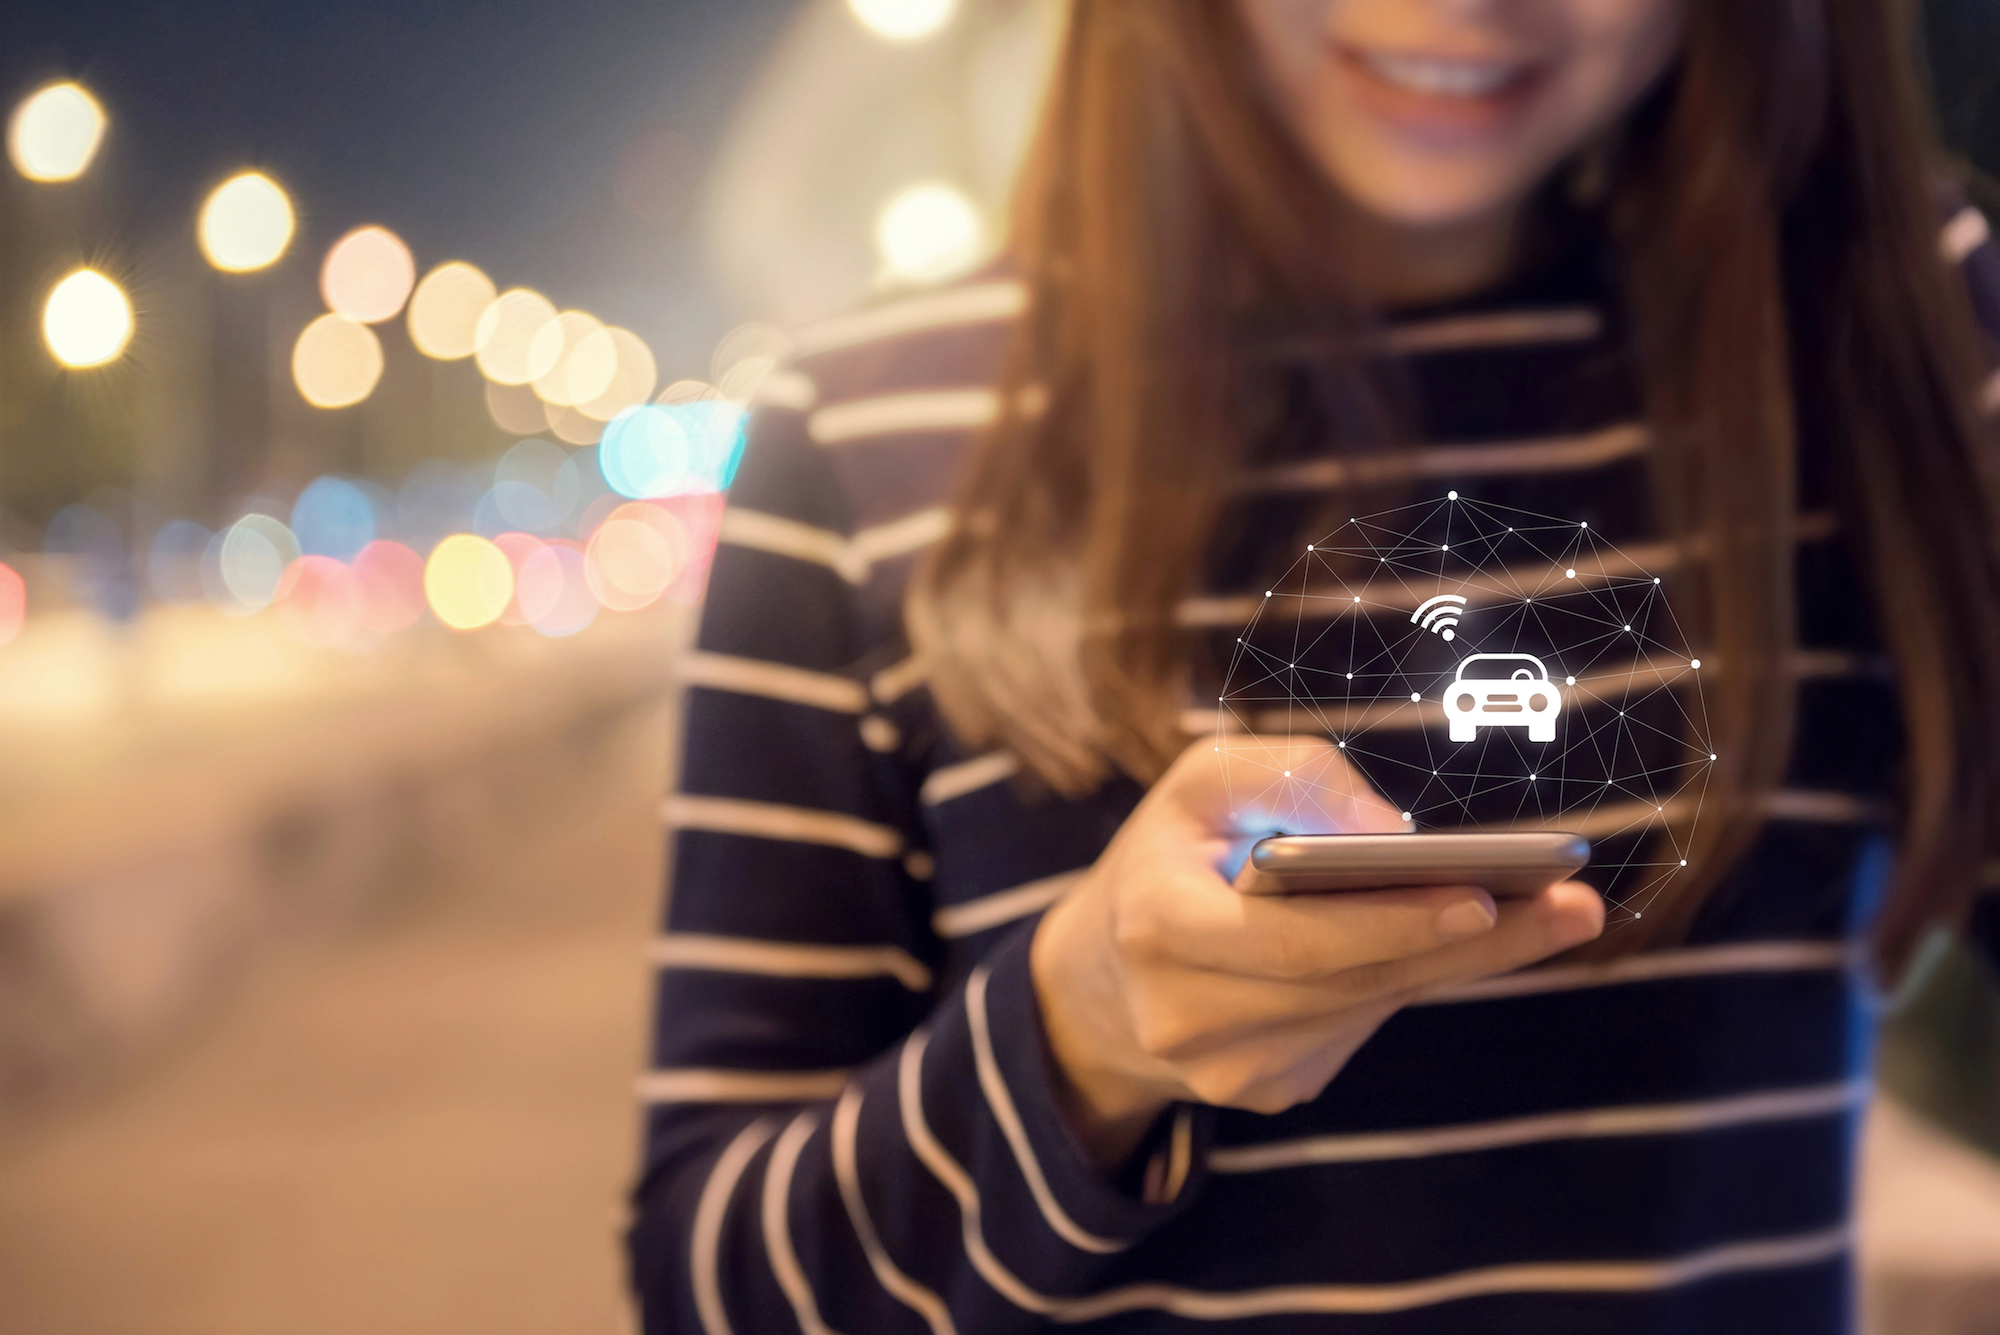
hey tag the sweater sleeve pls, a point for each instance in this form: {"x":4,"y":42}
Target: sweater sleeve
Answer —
{"x":834,"y":1141}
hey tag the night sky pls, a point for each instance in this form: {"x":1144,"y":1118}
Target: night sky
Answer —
{"x":559,"y":145}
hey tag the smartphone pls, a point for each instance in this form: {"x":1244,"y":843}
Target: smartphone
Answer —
{"x":1509,"y":865}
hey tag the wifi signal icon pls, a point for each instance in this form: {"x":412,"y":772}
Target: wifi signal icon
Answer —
{"x":1439,"y":614}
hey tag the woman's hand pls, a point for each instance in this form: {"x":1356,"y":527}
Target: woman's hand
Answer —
{"x":1158,"y":981}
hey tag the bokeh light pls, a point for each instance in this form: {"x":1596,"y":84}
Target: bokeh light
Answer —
{"x":570,"y":426}
{"x":368,"y":275}
{"x":929,"y":232}
{"x":333,"y":517}
{"x":55,"y":132}
{"x":634,"y":555}
{"x":246,"y":223}
{"x":14,"y":602}
{"x":252,"y":556}
{"x":319,"y":602}
{"x":389,"y":581}
{"x":632,"y":379}
{"x":173,"y":565}
{"x":445,"y":310}
{"x":515,"y":409}
{"x":503,"y":340}
{"x":87,"y":320}
{"x":579,"y":356}
{"x":468,"y":582}
{"x":673,"y":449}
{"x":553,"y":590}
{"x":903,"y":20}
{"x":336,"y":362}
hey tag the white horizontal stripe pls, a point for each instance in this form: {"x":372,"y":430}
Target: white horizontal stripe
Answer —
{"x":770,"y":820}
{"x":922,"y":1301}
{"x":968,"y":776}
{"x":1781,"y":1105}
{"x":976,"y":915}
{"x":1534,"y":1277}
{"x":901,"y":536}
{"x":1546,"y":1277}
{"x":773,"y":681}
{"x":786,"y":389}
{"x":1574,"y":324}
{"x":1965,"y":233}
{"x":1499,"y":459}
{"x":919,"y":410}
{"x":850,"y":558}
{"x":1516,"y":582}
{"x":788,"y":537}
{"x":688,"y":1084}
{"x":894,"y":682}
{"x":1592,"y":568}
{"x":791,"y":1276}
{"x":1000,"y":1102}
{"x":1751,"y":957}
{"x":977,"y":304}
{"x":1378,"y":715}
{"x":705,"y":1248}
{"x":786,"y":959}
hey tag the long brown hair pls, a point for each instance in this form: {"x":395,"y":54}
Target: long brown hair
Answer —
{"x":1774,"y":210}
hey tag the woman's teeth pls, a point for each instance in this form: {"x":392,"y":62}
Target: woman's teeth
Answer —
{"x":1443,"y":78}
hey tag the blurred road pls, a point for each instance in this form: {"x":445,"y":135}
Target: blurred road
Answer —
{"x":422,"y":1127}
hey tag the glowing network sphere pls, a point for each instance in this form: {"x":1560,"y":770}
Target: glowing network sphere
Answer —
{"x":55,"y":132}
{"x":929,"y":232}
{"x":445,"y":310}
{"x":368,"y":275}
{"x":903,"y":20}
{"x":246,"y":223}
{"x":468,"y":582}
{"x":336,"y":362}
{"x":87,"y":320}
{"x":1480,"y":667}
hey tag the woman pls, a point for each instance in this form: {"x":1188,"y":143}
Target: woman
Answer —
{"x":962,"y":1026}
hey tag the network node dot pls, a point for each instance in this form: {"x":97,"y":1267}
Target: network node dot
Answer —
{"x":1406,"y":816}
{"x":1357,"y":597}
{"x":1309,"y":546}
{"x":1569,"y":681}
{"x":1342,"y":746}
{"x":1628,"y":628}
{"x":1586,"y":523}
{"x":1350,"y":676}
{"x":1531,"y":778}
{"x":1414,"y":696}
{"x":1637,"y":914}
{"x":1570,"y":573}
{"x":1694,"y":662}
{"x":1656,"y":579}
{"x":1267,"y":593}
{"x":1451,"y":495}
{"x":1711,"y":755}
{"x":1684,"y":862}
{"x":1288,"y":774}
{"x":1444,"y":546}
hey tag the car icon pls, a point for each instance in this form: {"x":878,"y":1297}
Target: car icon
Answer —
{"x":1502,"y":691}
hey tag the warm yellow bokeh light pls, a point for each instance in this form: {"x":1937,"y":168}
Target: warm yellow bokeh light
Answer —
{"x":55,"y":132}
{"x":445,"y":310}
{"x":368,"y":275}
{"x":903,"y":20}
{"x":928,"y":233}
{"x":246,"y":223}
{"x":504,"y":339}
{"x":336,"y":362}
{"x":468,"y":582}
{"x":631,"y":383}
{"x":87,"y":321}
{"x":584,"y":362}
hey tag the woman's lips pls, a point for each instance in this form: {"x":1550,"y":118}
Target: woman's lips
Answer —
{"x":1436,"y":95}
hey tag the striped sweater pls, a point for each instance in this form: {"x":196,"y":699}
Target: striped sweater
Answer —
{"x":851,"y":1126}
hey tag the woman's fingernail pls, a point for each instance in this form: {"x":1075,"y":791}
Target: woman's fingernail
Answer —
{"x":1468,"y":917}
